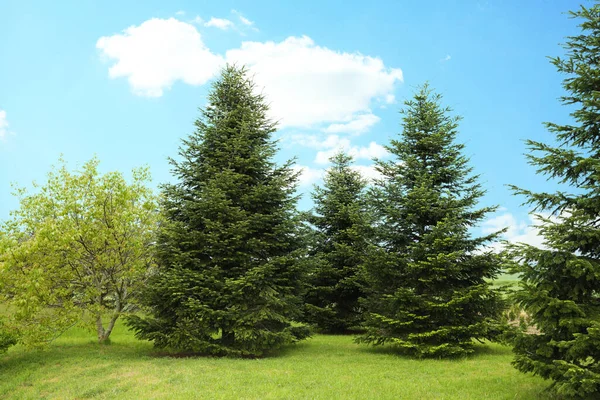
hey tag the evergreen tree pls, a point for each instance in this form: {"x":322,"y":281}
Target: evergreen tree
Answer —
{"x":228,"y":276}
{"x":561,"y":282}
{"x":428,"y":294}
{"x":341,"y":230}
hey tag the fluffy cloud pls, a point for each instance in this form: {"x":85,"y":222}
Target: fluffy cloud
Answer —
{"x":308,"y":84}
{"x":308,"y":175}
{"x":220,"y":23}
{"x":360,"y":124}
{"x":373,"y":150}
{"x":519,"y":231}
{"x":368,"y":172}
{"x":3,"y":124}
{"x":334,"y":144}
{"x":157,"y":53}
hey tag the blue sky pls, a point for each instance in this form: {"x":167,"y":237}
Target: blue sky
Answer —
{"x":124,"y":80}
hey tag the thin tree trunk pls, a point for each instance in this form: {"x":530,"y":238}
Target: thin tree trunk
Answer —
{"x":104,"y":334}
{"x":111,"y":325}
{"x":100,"y":328}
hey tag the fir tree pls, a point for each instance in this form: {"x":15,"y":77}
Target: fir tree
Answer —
{"x":341,"y":229}
{"x":428,"y":293}
{"x":228,"y":276}
{"x":561,"y":282}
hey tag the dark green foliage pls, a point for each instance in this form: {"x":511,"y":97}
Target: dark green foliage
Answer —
{"x":341,"y":230}
{"x":228,"y":276}
{"x":428,"y":294}
{"x":561,"y":283}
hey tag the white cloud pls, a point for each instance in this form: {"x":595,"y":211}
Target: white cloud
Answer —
{"x":519,"y":231}
{"x":359,"y":124}
{"x":245,"y":21}
{"x":323,"y":156}
{"x":374,"y":150}
{"x":334,"y":144}
{"x":157,"y":53}
{"x":220,"y":23}
{"x":308,"y":84}
{"x":308,"y":175}
{"x":312,"y":141}
{"x":331,"y":145}
{"x":447,"y":58}
{"x":180,"y":12}
{"x":3,"y":124}
{"x":197,"y":20}
{"x":368,"y":172}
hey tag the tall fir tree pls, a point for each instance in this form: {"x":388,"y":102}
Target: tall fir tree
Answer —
{"x":228,"y":278}
{"x":428,"y":293}
{"x":341,"y":231}
{"x":560,"y":284}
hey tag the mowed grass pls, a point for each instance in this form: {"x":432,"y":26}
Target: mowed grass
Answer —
{"x":506,"y":279}
{"x":323,"y":367}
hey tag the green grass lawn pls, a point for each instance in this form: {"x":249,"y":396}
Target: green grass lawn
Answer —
{"x":323,"y":367}
{"x":506,"y":279}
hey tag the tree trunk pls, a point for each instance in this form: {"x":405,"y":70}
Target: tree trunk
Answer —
{"x":104,"y":334}
{"x":100,"y":329}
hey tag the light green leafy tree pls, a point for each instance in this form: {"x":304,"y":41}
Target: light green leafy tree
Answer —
{"x":76,"y":251}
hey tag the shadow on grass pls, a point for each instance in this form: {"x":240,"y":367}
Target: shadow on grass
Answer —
{"x":539,"y":394}
{"x":480,"y":350}
{"x":284,"y":351}
{"x":291,"y":349}
{"x":22,"y":359}
{"x":349,"y":332}
{"x":491,"y":349}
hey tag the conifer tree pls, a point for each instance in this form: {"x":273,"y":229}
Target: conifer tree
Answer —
{"x":428,"y":293}
{"x":560,"y":284}
{"x":341,"y":230}
{"x":228,"y":276}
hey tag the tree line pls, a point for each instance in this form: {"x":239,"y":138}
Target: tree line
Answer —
{"x":222,"y":263}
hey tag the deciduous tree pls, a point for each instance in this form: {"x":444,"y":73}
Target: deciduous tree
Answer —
{"x":77,"y":250}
